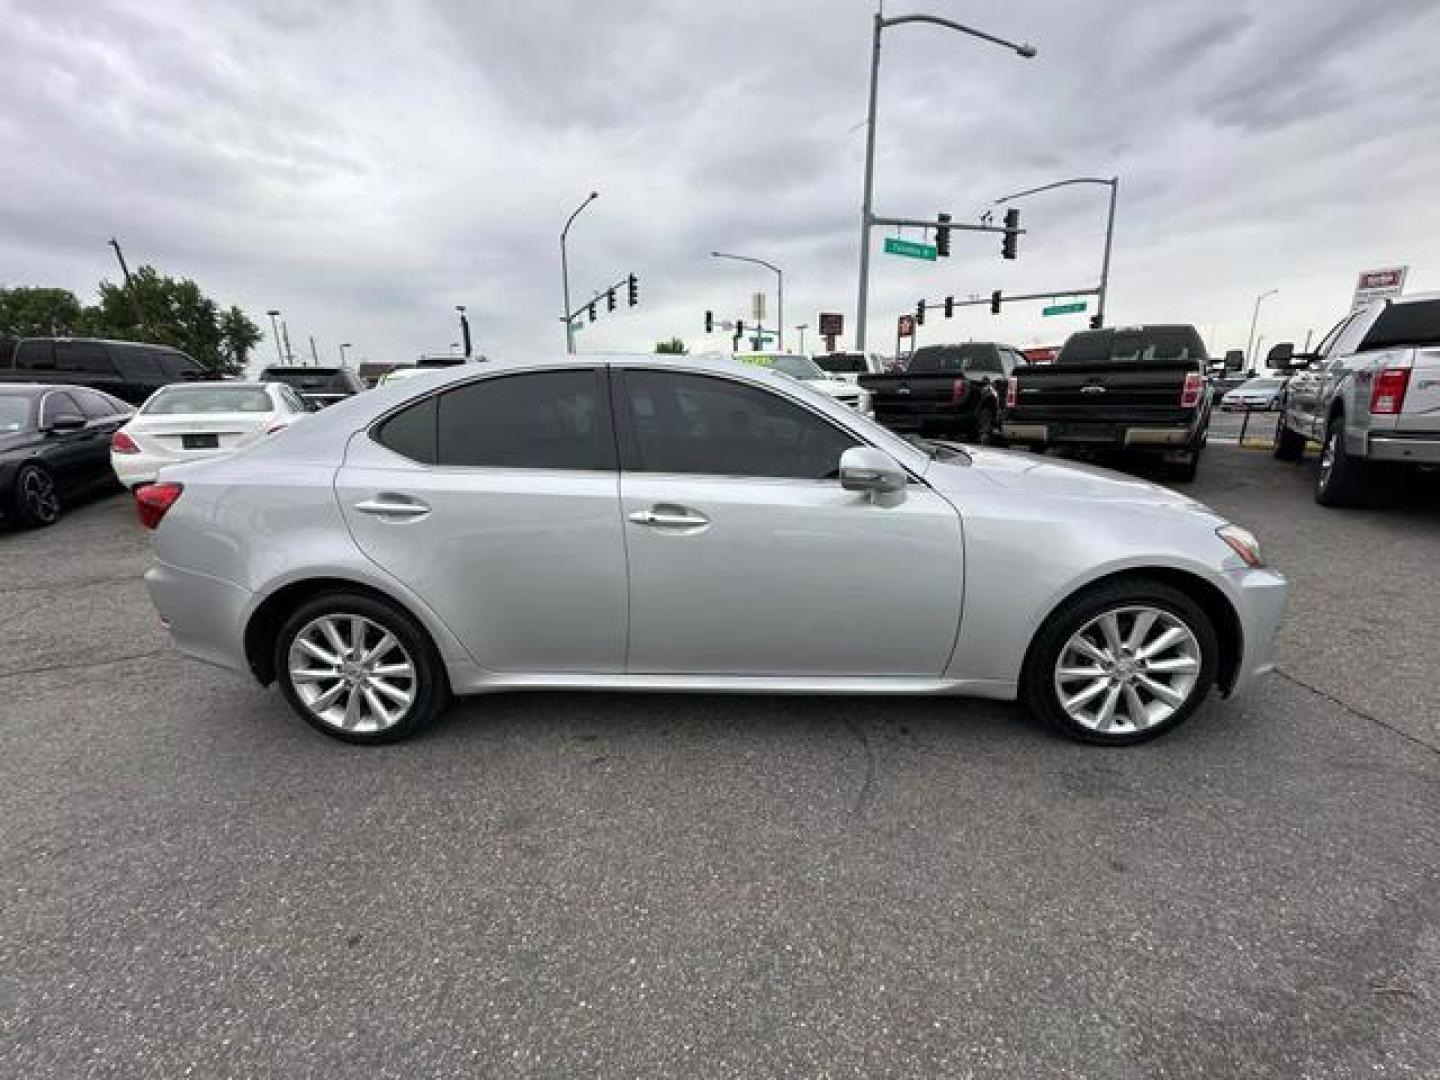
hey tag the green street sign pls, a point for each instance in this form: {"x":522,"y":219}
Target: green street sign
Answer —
{"x":909,"y":248}
{"x":1072,"y":308}
{"x":577,"y":326}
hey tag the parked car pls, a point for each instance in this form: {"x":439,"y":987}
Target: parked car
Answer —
{"x":956,"y":391}
{"x":1139,"y":390}
{"x":128,"y":370}
{"x":319,"y":386}
{"x":807,"y":371}
{"x":670,"y":523}
{"x":199,"y":420}
{"x":400,"y":373}
{"x":1223,"y":383}
{"x":1260,"y":394}
{"x":54,"y":446}
{"x":1369,"y":395}
{"x":849,"y":366}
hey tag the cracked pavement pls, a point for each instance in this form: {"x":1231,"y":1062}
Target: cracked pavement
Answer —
{"x":194,"y":882}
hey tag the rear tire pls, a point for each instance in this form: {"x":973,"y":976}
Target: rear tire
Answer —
{"x":1145,"y":610}
{"x":1186,"y":471}
{"x":36,"y":501}
{"x":1289,"y":445}
{"x":985,"y":425}
{"x":359,"y":669}
{"x":1342,"y":478}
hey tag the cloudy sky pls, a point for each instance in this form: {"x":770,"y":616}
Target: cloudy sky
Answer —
{"x":366,"y":166}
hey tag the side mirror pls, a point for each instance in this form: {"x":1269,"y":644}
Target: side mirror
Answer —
{"x":864,"y":468}
{"x":62,"y":424}
{"x":1281,"y":356}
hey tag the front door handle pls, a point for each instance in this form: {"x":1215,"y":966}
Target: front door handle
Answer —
{"x":669,"y":517}
{"x":393,"y":506}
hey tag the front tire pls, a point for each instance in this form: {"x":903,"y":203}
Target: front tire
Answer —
{"x":1341,"y":480}
{"x":1289,"y":445}
{"x":359,"y":669}
{"x":36,"y":498}
{"x":1121,"y":663}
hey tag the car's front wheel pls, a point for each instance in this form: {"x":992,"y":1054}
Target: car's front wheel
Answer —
{"x":1341,"y":479}
{"x":36,"y":498}
{"x":1122,"y":663}
{"x":359,"y":669}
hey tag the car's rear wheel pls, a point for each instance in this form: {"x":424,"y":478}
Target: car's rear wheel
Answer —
{"x":1122,"y":663}
{"x":1341,"y":480}
{"x":1289,"y":445}
{"x":359,"y":669}
{"x":36,"y":498}
{"x":984,"y":425}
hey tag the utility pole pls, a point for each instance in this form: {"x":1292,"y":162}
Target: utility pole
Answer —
{"x":866,"y":208}
{"x":129,"y":285}
{"x":314,"y":353}
{"x":1254,"y":318}
{"x":802,"y":327}
{"x":285,"y":333}
{"x":465,"y":329}
{"x":343,"y":346}
{"x":274,"y":314}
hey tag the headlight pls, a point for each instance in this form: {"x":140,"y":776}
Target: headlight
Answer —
{"x":1243,"y":543}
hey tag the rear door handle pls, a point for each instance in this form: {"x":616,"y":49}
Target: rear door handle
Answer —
{"x":393,"y":506}
{"x":669,"y":517}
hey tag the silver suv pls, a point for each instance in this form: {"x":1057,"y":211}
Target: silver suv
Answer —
{"x":1369,"y":393}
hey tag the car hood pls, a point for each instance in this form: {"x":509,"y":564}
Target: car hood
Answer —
{"x":1038,"y":476}
{"x":833,"y":387}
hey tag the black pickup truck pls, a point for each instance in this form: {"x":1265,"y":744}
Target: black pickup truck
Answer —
{"x":1138,"y":389}
{"x":954,"y":390}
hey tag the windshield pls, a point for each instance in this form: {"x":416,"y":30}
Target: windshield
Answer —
{"x":187,"y":400}
{"x":937,"y":451}
{"x":848,"y":363}
{"x":318,"y":380}
{"x":1138,"y":345}
{"x":1263,"y":384}
{"x":797,"y":367}
{"x":948,"y":359}
{"x":14,"y":413}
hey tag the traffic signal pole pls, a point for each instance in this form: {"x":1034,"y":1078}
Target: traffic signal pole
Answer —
{"x":1114,"y":185}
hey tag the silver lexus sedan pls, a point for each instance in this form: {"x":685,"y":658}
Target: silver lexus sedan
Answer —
{"x":668,"y":523}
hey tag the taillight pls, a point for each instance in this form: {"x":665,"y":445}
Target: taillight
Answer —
{"x":1011,"y":393}
{"x":1387,"y":395}
{"x":120,"y":443}
{"x":153,"y":500}
{"x":958,"y":389}
{"x":1190,"y":395}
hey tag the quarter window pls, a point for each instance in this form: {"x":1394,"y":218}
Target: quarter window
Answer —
{"x":542,"y":420}
{"x":718,"y":427}
{"x":58,"y":404}
{"x":97,"y":406}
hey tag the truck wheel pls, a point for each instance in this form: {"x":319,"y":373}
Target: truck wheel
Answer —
{"x":1342,"y":478}
{"x":1289,"y":445}
{"x":984,"y":426}
{"x":1185,"y":471}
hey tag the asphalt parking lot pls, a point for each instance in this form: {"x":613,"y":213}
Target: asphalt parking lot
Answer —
{"x":196,"y":883}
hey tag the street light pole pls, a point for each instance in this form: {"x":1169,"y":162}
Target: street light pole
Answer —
{"x":274,"y":314}
{"x":779,"y":290}
{"x":1114,"y":185}
{"x":464,"y":329}
{"x":866,"y":215}
{"x":343,"y":346}
{"x":802,"y":327}
{"x":565,"y":269}
{"x":1254,"y":318}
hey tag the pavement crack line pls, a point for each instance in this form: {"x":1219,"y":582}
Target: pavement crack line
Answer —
{"x":867,"y":789}
{"x":1356,"y":712}
{"x":19,"y":672}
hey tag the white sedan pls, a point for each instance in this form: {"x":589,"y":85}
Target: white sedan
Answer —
{"x":190,"y":421}
{"x":812,"y":375}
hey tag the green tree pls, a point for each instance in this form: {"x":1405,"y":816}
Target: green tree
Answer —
{"x":238,"y":337}
{"x":38,"y":312}
{"x":674,"y":347}
{"x":175,"y":312}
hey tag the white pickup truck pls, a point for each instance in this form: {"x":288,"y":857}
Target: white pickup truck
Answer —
{"x":1369,"y":393}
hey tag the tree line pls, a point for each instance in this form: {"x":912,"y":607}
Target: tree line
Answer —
{"x":153,"y":308}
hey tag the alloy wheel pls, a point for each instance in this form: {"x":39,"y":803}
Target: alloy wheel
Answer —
{"x":41,"y":499}
{"x":1327,"y":457}
{"x":352,"y":674}
{"x":1127,"y":670}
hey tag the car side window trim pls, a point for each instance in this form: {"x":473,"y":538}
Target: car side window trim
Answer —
{"x":45,"y":417}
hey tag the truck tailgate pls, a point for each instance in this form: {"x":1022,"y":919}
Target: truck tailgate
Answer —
{"x":1420,"y":411}
{"x":1148,"y":391}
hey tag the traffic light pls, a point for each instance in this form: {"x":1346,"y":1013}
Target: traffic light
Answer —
{"x":1007,"y":243}
{"x":949,"y":307}
{"x":709,"y":322}
{"x":591,"y":310}
{"x":1095,"y":321}
{"x":739,"y":329}
{"x":942,"y":236}
{"x":610,"y":300}
{"x":995,"y":302}
{"x":920,"y":313}
{"x":633,"y":285}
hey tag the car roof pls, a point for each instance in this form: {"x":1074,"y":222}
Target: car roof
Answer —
{"x":106,"y":341}
{"x":245,"y":384}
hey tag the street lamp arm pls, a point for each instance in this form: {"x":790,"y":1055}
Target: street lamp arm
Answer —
{"x":746,"y":258}
{"x":1025,"y":50}
{"x":1059,"y":183}
{"x":568,"y":221}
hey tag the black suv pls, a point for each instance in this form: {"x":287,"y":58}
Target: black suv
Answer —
{"x":130,"y":370}
{"x":319,"y":386}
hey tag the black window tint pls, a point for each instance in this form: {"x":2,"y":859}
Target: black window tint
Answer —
{"x":717,"y":427}
{"x":411,"y":432}
{"x":1414,"y":323}
{"x":138,"y":364}
{"x":546,"y":420}
{"x":176,"y":365}
{"x":83,"y":357}
{"x":35,"y":356}
{"x":56,"y":405}
{"x":96,"y":406}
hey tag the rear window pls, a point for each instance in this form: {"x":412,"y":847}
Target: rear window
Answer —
{"x":177,"y":365}
{"x":1415,"y":323}
{"x":845,"y":363}
{"x":188,"y":400}
{"x":952,"y":360}
{"x":315,"y":380}
{"x":1157,"y":343}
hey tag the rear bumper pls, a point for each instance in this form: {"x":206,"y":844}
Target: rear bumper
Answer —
{"x":1260,"y":597}
{"x":1418,"y":450}
{"x":206,"y":615}
{"x":921,"y":418}
{"x":1109,"y":435}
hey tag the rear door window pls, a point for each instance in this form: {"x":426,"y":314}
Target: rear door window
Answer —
{"x":177,"y":366}
{"x":542,"y":420}
{"x":138,"y":364}
{"x":83,"y":358}
{"x":58,"y":404}
{"x":35,"y":356}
